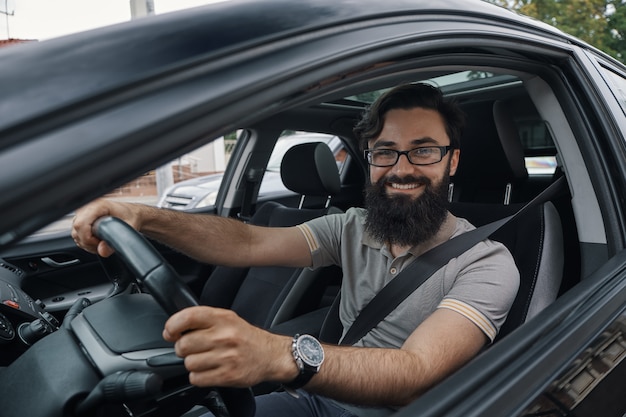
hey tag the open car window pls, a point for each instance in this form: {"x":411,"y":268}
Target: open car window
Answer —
{"x":192,"y":181}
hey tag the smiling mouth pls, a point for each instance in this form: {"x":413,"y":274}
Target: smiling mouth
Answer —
{"x":411,"y":186}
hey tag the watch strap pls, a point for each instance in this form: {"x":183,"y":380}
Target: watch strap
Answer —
{"x":301,"y":380}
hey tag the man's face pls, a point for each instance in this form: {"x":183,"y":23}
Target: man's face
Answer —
{"x":407,"y":203}
{"x":408,"y":129}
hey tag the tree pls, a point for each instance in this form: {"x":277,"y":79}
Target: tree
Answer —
{"x":601,"y":23}
{"x":616,"y":34}
{"x":585,"y":19}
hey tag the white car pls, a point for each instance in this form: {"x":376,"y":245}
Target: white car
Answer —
{"x":202,"y":191}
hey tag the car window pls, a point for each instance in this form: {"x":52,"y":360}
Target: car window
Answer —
{"x":539,"y":148}
{"x":173,"y":184}
{"x":196,"y":177}
{"x":193,"y":180}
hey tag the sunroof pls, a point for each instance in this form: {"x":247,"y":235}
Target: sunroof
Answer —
{"x":450,"y":81}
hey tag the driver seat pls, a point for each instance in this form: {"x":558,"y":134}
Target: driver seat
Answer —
{"x":310,"y":170}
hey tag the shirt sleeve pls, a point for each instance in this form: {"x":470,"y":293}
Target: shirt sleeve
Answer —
{"x":485,"y":288}
{"x":324,"y":235}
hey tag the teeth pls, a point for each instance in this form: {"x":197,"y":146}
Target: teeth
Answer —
{"x":404,"y":186}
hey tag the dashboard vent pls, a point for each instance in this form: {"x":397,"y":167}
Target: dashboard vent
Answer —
{"x":11,"y":268}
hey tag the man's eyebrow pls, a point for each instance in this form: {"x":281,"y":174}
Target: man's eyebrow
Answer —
{"x":424,"y":141}
{"x":382,"y":143}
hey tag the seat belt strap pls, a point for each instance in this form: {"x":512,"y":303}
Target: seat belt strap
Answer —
{"x":423,"y":267}
{"x":253,"y":177}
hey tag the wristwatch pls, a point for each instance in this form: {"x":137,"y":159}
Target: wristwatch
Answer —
{"x":308,"y":353}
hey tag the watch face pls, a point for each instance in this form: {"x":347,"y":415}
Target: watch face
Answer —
{"x":310,"y":350}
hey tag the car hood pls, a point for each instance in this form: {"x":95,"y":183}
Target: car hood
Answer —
{"x":272,"y":185}
{"x":201,"y":185}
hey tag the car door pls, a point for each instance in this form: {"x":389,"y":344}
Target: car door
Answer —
{"x":56,"y":272}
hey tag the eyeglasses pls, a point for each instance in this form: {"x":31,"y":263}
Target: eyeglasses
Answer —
{"x":426,"y":155}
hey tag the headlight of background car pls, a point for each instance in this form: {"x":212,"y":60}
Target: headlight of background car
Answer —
{"x":208,"y":200}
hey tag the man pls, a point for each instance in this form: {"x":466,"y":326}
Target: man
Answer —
{"x":411,"y":136}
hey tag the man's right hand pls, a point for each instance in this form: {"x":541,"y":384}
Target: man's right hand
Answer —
{"x":82,"y":225}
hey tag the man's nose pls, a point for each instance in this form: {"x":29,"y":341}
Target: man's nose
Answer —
{"x":403,"y":164}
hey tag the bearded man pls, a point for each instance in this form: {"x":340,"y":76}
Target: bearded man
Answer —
{"x":410,"y":137}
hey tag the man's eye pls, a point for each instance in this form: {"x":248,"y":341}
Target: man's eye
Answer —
{"x":384,"y":153}
{"x":423,"y":151}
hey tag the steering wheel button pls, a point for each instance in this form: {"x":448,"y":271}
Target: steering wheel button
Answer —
{"x":12,"y":304}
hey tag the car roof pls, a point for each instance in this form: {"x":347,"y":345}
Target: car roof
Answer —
{"x":105,"y":59}
{"x":128,"y":97}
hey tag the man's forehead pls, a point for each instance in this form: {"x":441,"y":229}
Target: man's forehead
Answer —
{"x":415,"y":125}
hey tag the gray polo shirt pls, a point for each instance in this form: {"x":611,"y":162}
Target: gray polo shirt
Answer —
{"x":480,"y":284}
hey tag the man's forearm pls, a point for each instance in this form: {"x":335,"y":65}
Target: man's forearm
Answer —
{"x":207,"y":238}
{"x":369,"y":376}
{"x":440,"y":345}
{"x":223,"y":241}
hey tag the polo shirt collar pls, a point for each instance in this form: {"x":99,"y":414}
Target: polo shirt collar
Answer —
{"x":445,"y":233}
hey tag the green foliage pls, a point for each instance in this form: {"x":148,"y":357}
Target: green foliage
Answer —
{"x":616,"y":34}
{"x":601,"y":23}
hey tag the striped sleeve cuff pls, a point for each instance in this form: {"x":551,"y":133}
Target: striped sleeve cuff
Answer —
{"x":309,"y":236}
{"x":472,"y":314}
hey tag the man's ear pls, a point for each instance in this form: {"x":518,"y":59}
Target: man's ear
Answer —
{"x":454,"y":161}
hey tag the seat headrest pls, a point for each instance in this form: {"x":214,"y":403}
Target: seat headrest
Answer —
{"x":509,"y":139}
{"x":310,"y":169}
{"x":491,"y":150}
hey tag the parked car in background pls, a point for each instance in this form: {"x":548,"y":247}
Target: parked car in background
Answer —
{"x":202,"y":191}
{"x":85,"y":114}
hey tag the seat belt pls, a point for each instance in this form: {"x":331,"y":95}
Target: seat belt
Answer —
{"x":253,"y":177}
{"x":423,"y":267}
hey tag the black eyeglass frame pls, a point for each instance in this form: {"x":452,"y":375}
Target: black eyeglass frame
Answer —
{"x":442,"y":149}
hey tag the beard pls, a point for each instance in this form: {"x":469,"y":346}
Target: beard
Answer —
{"x":402,"y":220}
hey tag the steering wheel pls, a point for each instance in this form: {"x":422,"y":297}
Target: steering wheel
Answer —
{"x":163,"y":283}
{"x":148,"y":266}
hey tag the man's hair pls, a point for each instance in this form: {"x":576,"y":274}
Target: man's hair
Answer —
{"x":406,"y":97}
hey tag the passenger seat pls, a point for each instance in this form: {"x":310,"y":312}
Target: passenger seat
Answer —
{"x":308,"y":169}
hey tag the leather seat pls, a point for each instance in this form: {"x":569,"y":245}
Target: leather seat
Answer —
{"x":535,"y":240}
{"x":491,"y":166}
{"x":310,"y":170}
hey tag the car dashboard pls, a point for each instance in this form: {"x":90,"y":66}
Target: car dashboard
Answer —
{"x":23,"y":320}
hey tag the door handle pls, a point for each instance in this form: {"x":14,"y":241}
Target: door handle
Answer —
{"x":55,"y":264}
